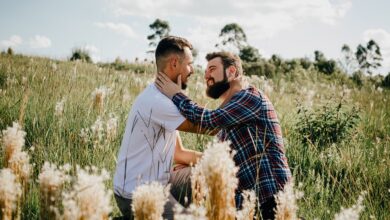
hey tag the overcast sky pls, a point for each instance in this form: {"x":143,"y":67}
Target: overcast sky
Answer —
{"x":112,"y":28}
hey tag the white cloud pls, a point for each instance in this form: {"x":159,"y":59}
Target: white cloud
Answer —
{"x":260,"y":19}
{"x":382,"y":38}
{"x":13,"y":41}
{"x":119,"y":28}
{"x":40,"y":42}
{"x":268,"y":17}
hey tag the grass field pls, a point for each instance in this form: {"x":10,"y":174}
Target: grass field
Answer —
{"x":56,"y":103}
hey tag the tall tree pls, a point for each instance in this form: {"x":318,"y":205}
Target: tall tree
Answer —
{"x":249,"y":54}
{"x":369,"y":57}
{"x":233,"y":35}
{"x":160,"y":30}
{"x":349,"y":63}
{"x":374,"y":56}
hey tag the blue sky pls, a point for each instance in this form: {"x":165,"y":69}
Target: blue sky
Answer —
{"x":108,"y":29}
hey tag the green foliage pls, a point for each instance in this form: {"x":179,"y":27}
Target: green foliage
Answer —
{"x":10,"y":51}
{"x":349,"y":62}
{"x":358,"y":78}
{"x":136,"y":67}
{"x":80,"y":54}
{"x":3,"y":78}
{"x":327,"y":124}
{"x":275,"y":66}
{"x":160,"y":30}
{"x":369,"y":57}
{"x":376,"y":80}
{"x":326,"y":66}
{"x":330,"y":177}
{"x":323,"y":65}
{"x":234,"y":35}
{"x":249,"y":54}
{"x":290,"y":65}
{"x":305,"y":63}
{"x":386,"y":81}
{"x":260,"y":68}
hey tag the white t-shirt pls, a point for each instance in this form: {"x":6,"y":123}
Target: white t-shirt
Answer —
{"x":148,"y":144}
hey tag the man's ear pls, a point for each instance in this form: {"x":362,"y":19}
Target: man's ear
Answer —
{"x":232,"y":72}
{"x":173,"y":62}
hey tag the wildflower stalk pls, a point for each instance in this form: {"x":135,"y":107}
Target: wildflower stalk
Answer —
{"x":149,"y":201}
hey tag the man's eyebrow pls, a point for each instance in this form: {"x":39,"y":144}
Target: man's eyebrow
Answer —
{"x":213,"y":66}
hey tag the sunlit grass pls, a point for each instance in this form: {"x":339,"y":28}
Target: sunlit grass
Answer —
{"x":332,"y":176}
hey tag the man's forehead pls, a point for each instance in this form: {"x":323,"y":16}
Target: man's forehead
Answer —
{"x":217,"y":61}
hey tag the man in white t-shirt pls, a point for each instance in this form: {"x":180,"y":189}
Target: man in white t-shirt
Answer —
{"x":151,"y":142}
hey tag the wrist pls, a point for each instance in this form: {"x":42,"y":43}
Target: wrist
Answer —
{"x":175,"y":95}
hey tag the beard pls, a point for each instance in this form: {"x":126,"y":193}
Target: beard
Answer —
{"x":217,"y":89}
{"x":183,"y":85}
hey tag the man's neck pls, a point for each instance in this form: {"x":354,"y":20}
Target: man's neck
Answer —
{"x":168,"y":73}
{"x":235,"y":87}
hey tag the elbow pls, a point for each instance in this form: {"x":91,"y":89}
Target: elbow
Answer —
{"x":177,"y":157}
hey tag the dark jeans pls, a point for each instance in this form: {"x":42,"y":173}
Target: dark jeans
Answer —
{"x":268,"y":209}
{"x":180,"y":194}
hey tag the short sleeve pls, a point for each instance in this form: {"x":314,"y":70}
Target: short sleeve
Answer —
{"x":165,"y":113}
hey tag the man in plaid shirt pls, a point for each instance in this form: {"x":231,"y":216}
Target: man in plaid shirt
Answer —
{"x":247,"y":119}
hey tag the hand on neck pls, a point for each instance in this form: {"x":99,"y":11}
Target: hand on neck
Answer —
{"x":171,"y":75}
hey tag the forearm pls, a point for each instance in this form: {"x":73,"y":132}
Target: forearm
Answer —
{"x":204,"y":119}
{"x":188,"y":126}
{"x":187,"y":157}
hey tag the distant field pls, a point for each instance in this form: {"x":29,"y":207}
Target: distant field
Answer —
{"x":55,"y":102}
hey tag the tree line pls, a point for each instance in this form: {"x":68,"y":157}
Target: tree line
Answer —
{"x":364,"y":60}
{"x":358,"y":63}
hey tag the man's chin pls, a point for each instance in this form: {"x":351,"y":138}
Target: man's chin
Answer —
{"x":183,"y":86}
{"x":211,"y":95}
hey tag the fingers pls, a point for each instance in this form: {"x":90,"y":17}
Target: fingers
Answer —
{"x":160,"y":82}
{"x":158,"y":85}
{"x":162,"y":78}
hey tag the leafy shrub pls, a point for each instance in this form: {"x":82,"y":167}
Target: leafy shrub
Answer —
{"x":326,"y":124}
{"x":289,"y":66}
{"x":326,"y":66}
{"x":261,"y":68}
{"x":10,"y":51}
{"x":386,"y":81}
{"x":80,"y":54}
{"x":305,"y":63}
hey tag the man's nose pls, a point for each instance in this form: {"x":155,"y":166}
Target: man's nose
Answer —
{"x":206,"y":74}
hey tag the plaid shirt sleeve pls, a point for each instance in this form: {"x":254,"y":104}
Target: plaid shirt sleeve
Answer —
{"x":242,"y":110}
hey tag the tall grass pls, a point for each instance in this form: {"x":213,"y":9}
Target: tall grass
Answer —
{"x":56,"y":102}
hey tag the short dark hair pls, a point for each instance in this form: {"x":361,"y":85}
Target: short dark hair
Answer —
{"x":228,"y":59}
{"x":168,"y":45}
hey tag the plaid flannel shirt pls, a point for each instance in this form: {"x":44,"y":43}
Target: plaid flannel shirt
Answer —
{"x":250,"y":123}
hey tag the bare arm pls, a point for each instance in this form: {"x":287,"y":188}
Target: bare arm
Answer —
{"x":185,"y":156}
{"x":188,"y":126}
